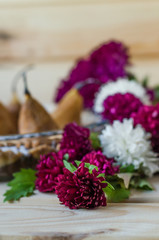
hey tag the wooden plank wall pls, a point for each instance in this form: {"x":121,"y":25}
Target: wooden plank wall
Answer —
{"x":53,"y":33}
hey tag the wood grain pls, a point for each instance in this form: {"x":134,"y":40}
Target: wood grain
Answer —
{"x":42,"y":217}
{"x":66,"y":29}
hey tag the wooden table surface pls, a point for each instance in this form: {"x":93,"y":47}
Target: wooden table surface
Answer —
{"x":42,"y":217}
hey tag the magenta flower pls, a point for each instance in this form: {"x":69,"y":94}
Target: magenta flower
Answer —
{"x":88,"y":92}
{"x":79,"y":73}
{"x":120,"y":106}
{"x":81,"y":189}
{"x":76,"y":138}
{"x":49,"y":168}
{"x":148,"y":118}
{"x":108,"y":62}
{"x":104,"y":164}
{"x":71,"y":152}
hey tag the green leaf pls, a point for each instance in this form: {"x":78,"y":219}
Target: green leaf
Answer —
{"x":120,"y":193}
{"x":72,"y":168}
{"x":144,"y":184}
{"x":127,"y":169}
{"x":87,"y":165}
{"x":91,"y":167}
{"x":77,"y":162}
{"x":69,"y":166}
{"x":108,"y":192}
{"x":101,"y":175}
{"x":22,"y":185}
{"x":117,"y":194}
{"x":116,"y":181}
{"x":95,"y":140}
{"x":66,"y":157}
{"x":140,"y":183}
{"x":109,"y":189}
{"x":109,"y":185}
{"x":24,"y":175}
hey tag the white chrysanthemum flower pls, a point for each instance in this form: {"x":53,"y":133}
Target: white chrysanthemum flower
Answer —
{"x":122,"y":86}
{"x":129,"y":145}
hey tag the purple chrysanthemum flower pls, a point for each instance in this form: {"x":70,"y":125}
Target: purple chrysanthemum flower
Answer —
{"x":49,"y":168}
{"x":108,"y":62}
{"x":105,"y":165}
{"x":120,"y":106}
{"x":148,"y":118}
{"x":88,"y":92}
{"x":71,"y":153}
{"x":79,"y":73}
{"x":77,"y":139}
{"x":81,"y":189}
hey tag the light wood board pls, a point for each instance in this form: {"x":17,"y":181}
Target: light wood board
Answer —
{"x":66,"y":29}
{"x":42,"y":217}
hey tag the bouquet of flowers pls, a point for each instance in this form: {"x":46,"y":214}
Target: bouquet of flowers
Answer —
{"x":90,"y":168}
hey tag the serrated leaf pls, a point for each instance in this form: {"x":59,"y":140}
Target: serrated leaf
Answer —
{"x":22,"y":185}
{"x":24,"y":175}
{"x":140,"y":183}
{"x":69,"y":166}
{"x":95,"y":140}
{"x":15,"y":193}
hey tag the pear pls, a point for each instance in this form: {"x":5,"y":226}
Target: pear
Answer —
{"x":33,"y":117}
{"x":69,"y":109}
{"x":14,"y":109}
{"x":6,"y":123}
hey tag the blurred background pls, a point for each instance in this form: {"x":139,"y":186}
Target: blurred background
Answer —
{"x":52,"y":34}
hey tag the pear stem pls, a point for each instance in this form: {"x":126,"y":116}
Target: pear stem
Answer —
{"x":18,"y":76}
{"x":26,"y":91}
